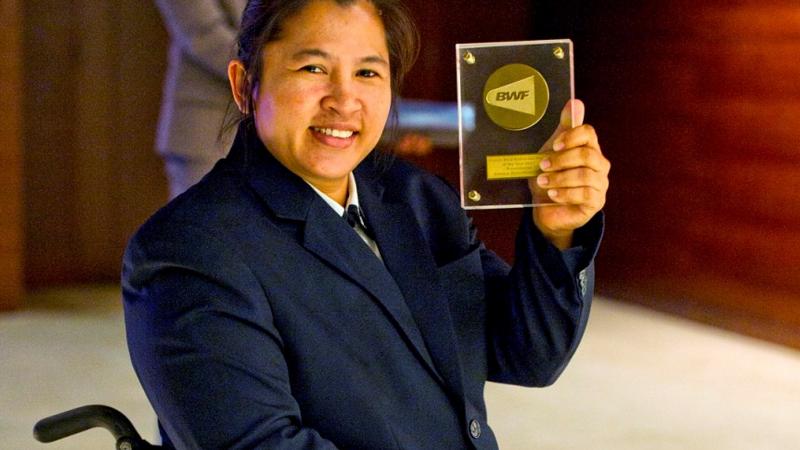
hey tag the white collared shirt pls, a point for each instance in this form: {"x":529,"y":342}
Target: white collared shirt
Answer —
{"x":352,"y":199}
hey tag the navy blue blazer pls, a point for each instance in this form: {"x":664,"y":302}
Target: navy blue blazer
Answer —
{"x":257,"y":318}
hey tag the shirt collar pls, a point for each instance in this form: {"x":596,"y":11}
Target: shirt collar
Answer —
{"x":352,"y":196}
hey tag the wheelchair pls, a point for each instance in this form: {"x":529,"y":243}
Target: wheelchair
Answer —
{"x":80,"y":419}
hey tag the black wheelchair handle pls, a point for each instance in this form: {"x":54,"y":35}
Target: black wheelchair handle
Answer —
{"x":83,"y":418}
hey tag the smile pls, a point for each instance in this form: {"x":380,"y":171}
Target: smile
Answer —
{"x":341,"y":134}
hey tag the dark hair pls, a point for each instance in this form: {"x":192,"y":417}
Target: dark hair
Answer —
{"x":262,"y":21}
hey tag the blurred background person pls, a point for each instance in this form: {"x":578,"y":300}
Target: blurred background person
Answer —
{"x":196,"y":95}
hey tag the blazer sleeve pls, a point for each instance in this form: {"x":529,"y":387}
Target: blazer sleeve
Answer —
{"x":203,"y":31}
{"x":203,"y":344}
{"x":538,"y":312}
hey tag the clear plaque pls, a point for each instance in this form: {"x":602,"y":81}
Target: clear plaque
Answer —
{"x":510,"y":97}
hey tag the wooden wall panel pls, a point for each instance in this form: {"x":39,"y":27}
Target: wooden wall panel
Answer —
{"x":699,"y":116}
{"x":137,"y":170}
{"x":94,"y":74}
{"x":49,"y":48}
{"x":11,"y":251}
{"x":95,"y":122}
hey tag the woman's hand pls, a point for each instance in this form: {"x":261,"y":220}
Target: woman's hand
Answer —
{"x":574,"y":176}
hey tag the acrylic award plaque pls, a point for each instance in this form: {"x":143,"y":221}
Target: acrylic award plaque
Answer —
{"x":510,"y":97}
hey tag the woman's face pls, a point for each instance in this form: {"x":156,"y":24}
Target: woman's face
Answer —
{"x":325,"y":91}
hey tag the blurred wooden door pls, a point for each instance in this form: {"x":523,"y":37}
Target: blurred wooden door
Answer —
{"x":93,"y":72}
{"x":11,"y":248}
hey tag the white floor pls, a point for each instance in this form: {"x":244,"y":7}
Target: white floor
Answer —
{"x":640,"y":380}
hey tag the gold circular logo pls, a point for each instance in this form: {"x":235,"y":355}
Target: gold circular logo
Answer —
{"x":516,"y":96}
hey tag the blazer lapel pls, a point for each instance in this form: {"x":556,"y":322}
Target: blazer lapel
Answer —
{"x":407,"y":256}
{"x":333,"y":240}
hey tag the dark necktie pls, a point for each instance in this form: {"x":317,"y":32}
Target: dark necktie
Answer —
{"x":353,"y":216}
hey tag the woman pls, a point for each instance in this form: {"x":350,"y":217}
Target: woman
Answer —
{"x":257,"y":317}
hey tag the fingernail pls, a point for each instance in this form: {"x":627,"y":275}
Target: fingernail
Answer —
{"x":552,"y":193}
{"x":545,"y":164}
{"x":542,"y":180}
{"x":558,"y":146}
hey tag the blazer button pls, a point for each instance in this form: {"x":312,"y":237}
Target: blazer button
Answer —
{"x":474,"y":429}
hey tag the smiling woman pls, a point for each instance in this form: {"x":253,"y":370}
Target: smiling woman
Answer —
{"x":304,"y":296}
{"x":324,"y":92}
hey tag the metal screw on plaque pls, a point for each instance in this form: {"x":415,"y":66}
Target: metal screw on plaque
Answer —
{"x":469,"y":58}
{"x":558,"y":52}
{"x":475,"y":196}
